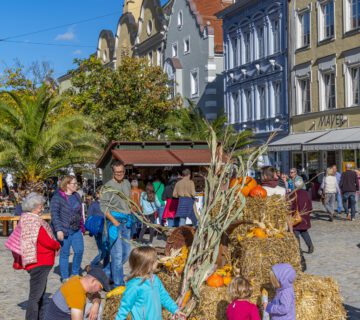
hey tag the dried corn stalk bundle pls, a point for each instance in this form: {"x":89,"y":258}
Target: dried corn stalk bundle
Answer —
{"x":253,"y":257}
{"x":318,"y":298}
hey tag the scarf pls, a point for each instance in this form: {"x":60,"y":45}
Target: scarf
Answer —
{"x":271,"y":183}
{"x":30,"y":228}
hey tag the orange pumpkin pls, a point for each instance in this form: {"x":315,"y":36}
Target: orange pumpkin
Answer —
{"x":215,"y":281}
{"x":227,"y":280}
{"x":259,"y":233}
{"x":250,"y":183}
{"x":258,"y":192}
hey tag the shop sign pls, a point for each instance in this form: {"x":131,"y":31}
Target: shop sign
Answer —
{"x":331,"y":120}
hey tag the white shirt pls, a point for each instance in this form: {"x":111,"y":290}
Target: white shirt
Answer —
{"x":277,"y":190}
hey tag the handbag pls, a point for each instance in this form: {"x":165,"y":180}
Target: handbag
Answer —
{"x":296,"y":217}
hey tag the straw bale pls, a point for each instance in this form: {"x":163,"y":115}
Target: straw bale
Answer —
{"x":271,"y":211}
{"x":214,"y":302}
{"x":253,"y":257}
{"x":111,"y":308}
{"x":318,"y":298}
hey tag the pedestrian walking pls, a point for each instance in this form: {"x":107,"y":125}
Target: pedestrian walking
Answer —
{"x":349,"y":184}
{"x":37,"y":246}
{"x":338,"y":195}
{"x":185,"y":191}
{"x":145,"y":294}
{"x":171,"y":202}
{"x":95,"y":219}
{"x":159,"y":188}
{"x":150,"y":204}
{"x":118,"y":221}
{"x":330,"y":189}
{"x":297,"y":181}
{"x":66,"y":220}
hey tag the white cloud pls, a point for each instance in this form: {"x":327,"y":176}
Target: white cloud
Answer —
{"x":67,"y":36}
{"x":77,"y":52}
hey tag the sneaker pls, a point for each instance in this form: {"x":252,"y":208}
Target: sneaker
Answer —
{"x":348,"y":217}
{"x":331,"y":218}
{"x":64,"y":280}
{"x":311,"y":249}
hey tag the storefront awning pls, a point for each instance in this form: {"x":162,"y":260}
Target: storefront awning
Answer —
{"x":163,"y":158}
{"x":294,"y":142}
{"x":338,"y":139}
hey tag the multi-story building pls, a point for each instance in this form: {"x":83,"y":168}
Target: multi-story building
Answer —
{"x":324,"y":58}
{"x":194,"y":53}
{"x":255,"y":51}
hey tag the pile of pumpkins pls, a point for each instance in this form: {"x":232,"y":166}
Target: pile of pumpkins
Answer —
{"x":250,"y":188}
{"x":220,"y":277}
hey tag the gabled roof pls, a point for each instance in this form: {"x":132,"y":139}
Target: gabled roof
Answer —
{"x":205,"y":14}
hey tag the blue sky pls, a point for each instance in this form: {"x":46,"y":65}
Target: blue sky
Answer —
{"x":25,"y":16}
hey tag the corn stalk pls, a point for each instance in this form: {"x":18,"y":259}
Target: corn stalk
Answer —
{"x":222,"y":207}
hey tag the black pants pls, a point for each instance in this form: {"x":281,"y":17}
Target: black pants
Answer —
{"x":305,"y":235}
{"x":150,"y":218}
{"x":38,"y":280}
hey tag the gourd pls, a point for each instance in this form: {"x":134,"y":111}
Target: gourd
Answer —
{"x":250,"y":183}
{"x":258,"y":192}
{"x":215,"y":281}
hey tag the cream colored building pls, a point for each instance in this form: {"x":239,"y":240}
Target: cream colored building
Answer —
{"x":324,"y":95}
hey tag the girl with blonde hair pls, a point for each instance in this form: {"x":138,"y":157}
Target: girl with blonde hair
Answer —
{"x":240,"y":308}
{"x":145,"y":294}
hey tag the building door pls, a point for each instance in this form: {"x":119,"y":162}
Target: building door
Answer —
{"x":330,"y":158}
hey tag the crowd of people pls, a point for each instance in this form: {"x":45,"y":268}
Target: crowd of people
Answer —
{"x":113,"y":221}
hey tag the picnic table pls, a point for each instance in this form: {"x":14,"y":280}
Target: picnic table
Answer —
{"x":10,"y":218}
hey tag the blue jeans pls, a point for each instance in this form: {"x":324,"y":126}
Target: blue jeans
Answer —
{"x":76,"y":241}
{"x":349,"y":197}
{"x":102,"y":252}
{"x":339,"y":201}
{"x":119,"y":254}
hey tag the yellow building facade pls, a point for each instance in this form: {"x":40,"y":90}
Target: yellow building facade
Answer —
{"x":324,"y":82}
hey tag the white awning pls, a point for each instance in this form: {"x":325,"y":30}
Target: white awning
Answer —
{"x":336,"y":139}
{"x":295,"y":141}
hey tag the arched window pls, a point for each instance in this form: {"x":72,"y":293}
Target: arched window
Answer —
{"x":149,"y":27}
{"x":180,"y":19}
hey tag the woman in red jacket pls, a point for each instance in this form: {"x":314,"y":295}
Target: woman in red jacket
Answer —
{"x":38,"y":249}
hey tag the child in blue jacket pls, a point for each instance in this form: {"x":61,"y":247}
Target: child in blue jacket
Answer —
{"x":145,"y":295}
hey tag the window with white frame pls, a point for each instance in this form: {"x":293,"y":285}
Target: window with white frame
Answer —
{"x":180,"y":19}
{"x":262,"y":101}
{"x":277,"y":96}
{"x":187,"y":45}
{"x":304,"y":95}
{"x":261,"y":42}
{"x":247,"y":39}
{"x":304,"y":29}
{"x":233,"y":52}
{"x":194,"y":82}
{"x":150,"y":58}
{"x":248,"y":102}
{"x":352,"y":14}
{"x":159,"y":57}
{"x":326,"y":20}
{"x":355,"y":84}
{"x":276,"y":36}
{"x":235,"y":103}
{"x":174,"y":50}
{"x":329,"y":92}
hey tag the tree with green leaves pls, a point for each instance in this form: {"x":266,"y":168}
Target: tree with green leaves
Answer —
{"x":35,"y":142}
{"x":189,"y":123}
{"x":129,"y":103}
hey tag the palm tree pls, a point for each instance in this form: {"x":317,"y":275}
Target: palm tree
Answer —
{"x":190,"y":124}
{"x":35,"y":141}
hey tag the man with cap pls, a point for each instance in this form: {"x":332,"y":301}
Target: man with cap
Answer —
{"x":69,"y":302}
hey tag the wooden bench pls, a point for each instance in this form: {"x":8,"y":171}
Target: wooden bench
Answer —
{"x":6,"y":219}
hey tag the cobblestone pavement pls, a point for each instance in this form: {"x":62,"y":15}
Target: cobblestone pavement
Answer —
{"x":337,"y":254}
